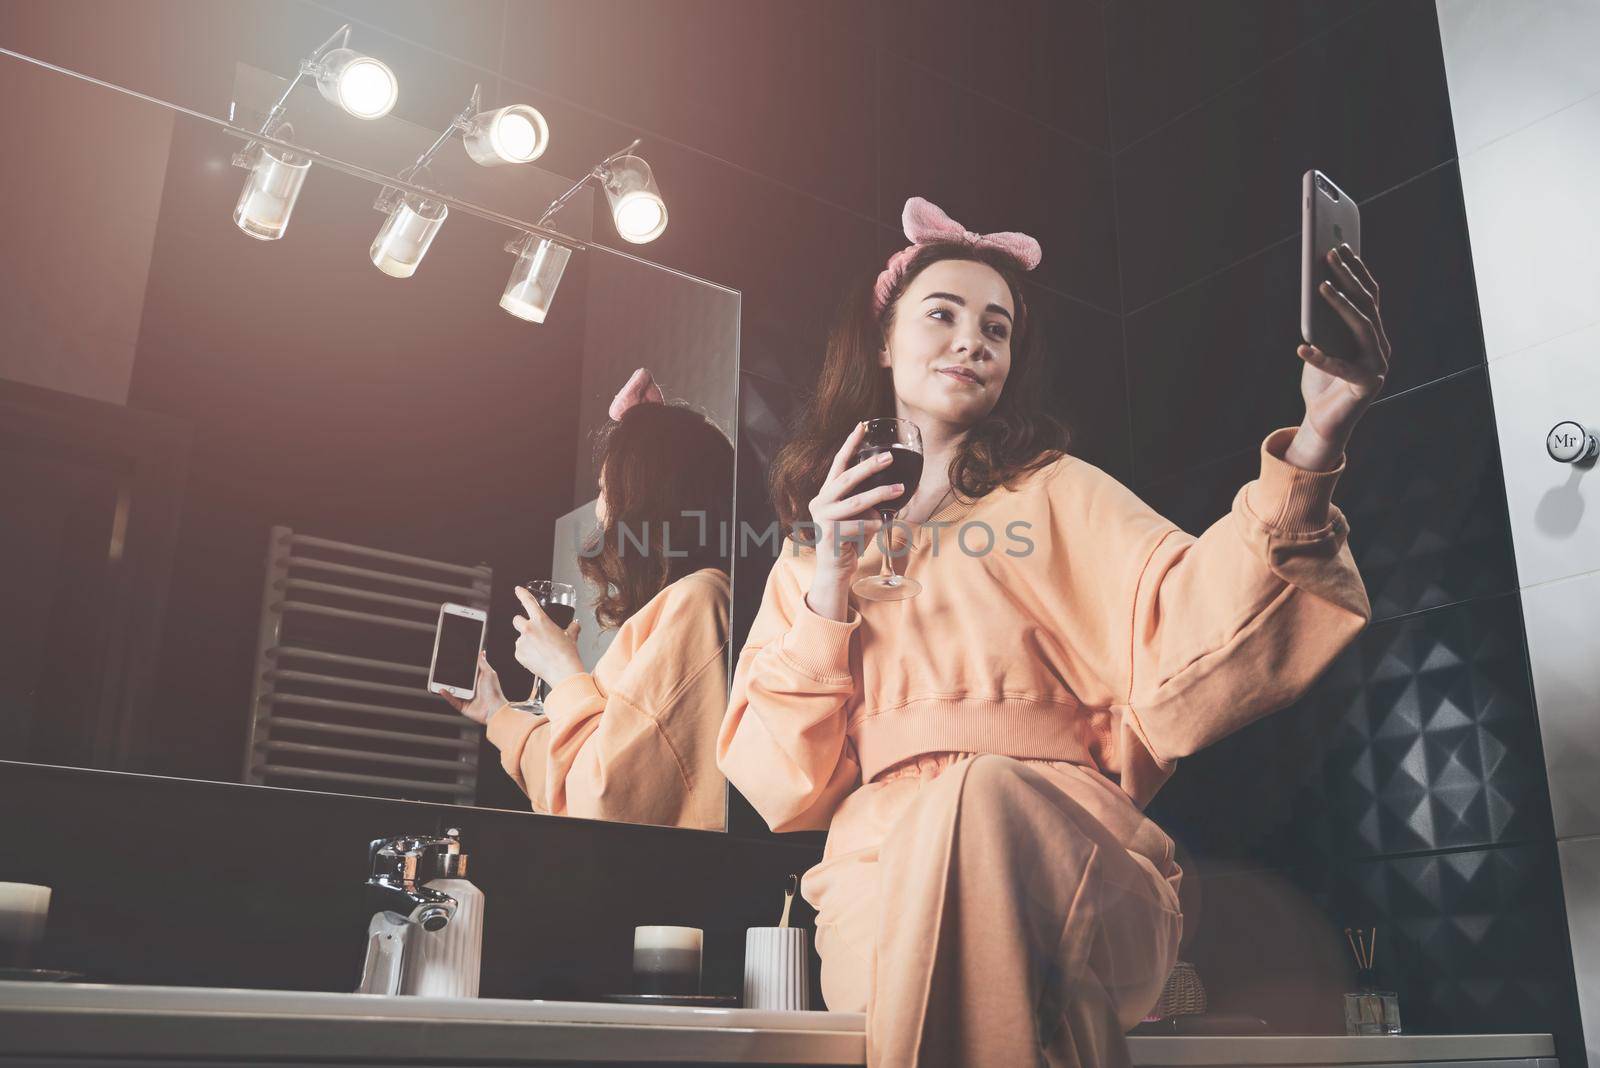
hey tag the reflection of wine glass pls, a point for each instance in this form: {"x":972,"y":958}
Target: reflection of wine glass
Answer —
{"x":902,"y":440}
{"x":560,"y":602}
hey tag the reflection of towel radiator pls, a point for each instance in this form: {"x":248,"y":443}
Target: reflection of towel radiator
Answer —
{"x":340,"y":695}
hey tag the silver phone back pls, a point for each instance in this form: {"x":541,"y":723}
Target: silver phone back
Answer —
{"x":1328,"y":217}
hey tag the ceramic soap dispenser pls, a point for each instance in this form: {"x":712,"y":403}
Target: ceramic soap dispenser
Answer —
{"x":446,"y":963}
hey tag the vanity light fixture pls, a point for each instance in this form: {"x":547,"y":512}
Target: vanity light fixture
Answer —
{"x":404,"y":238}
{"x":514,"y":134}
{"x":533,"y":282}
{"x":359,"y":84}
{"x":268,"y":196}
{"x":363,"y":86}
{"x":637,"y":210}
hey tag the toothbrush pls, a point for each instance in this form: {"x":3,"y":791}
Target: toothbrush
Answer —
{"x":788,"y":898}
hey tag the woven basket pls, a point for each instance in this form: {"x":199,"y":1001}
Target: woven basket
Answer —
{"x":1182,"y":996}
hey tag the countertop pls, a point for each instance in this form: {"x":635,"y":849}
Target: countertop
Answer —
{"x":93,"y":1020}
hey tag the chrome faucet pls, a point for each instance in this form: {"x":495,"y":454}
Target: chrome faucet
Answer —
{"x":400,"y":904}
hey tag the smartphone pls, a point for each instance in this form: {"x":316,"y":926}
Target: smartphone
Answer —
{"x":1328,"y":218}
{"x":456,"y":643}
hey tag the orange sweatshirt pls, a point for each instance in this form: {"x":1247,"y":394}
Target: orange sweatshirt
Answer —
{"x":635,"y":740}
{"x":1118,"y":642}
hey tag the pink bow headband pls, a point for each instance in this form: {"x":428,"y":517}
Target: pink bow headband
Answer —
{"x":926,"y":223}
{"x":639,"y":389}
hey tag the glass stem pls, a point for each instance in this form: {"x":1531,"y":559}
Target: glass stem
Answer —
{"x":888,"y":573}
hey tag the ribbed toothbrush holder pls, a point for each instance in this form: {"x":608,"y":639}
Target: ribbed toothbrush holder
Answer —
{"x":777,"y":969}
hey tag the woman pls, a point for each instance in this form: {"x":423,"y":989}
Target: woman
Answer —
{"x":991,"y":892}
{"x":633,"y":740}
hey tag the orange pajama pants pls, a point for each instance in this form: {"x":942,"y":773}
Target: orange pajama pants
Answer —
{"x":984,"y":910}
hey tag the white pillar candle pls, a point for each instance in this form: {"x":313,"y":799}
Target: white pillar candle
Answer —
{"x":23,"y":910}
{"x":666,"y":960}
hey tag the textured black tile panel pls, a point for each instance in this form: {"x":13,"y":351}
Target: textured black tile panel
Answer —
{"x":1472,"y":941}
{"x":1422,"y":735}
{"x":1423,"y":491}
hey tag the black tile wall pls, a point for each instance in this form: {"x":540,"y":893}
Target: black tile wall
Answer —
{"x":1422,"y":736}
{"x":1423,"y":490}
{"x":992,"y":168}
{"x":1414,"y":240}
{"x":1212,"y":368}
{"x":1425,"y":495}
{"x":1474,"y":942}
{"x":1406,"y":790}
{"x":1479,"y":939}
{"x":1088,"y":377}
{"x":1165,"y":59}
{"x":1040,"y":57}
{"x":1366,"y":103}
{"x":1438,"y":742}
{"x":1224,"y":346}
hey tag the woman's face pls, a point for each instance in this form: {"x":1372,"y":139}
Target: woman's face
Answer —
{"x":950,"y":345}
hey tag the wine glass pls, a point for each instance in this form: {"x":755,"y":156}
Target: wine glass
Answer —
{"x":902,"y":440}
{"x":560,"y":602}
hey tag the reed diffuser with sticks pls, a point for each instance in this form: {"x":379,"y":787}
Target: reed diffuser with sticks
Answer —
{"x":1369,"y":1011}
{"x":1363,"y":946}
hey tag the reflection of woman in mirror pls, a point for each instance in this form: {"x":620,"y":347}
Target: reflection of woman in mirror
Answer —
{"x":635,"y":739}
{"x":981,"y":753}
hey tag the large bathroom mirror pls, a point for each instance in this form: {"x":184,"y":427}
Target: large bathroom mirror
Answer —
{"x":241,"y":476}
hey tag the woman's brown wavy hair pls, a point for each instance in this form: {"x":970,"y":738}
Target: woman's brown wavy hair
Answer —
{"x":1021,"y":434}
{"x":659,"y":461}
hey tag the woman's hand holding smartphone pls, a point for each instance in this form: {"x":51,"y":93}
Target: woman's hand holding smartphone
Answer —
{"x":1347,"y":352}
{"x":487,"y":698}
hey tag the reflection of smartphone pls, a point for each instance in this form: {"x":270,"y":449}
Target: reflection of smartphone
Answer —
{"x":455,"y":650}
{"x":1328,"y":218}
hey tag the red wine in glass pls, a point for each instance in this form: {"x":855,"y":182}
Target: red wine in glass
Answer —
{"x":560,"y":602}
{"x":905,"y":468}
{"x":560,"y":614}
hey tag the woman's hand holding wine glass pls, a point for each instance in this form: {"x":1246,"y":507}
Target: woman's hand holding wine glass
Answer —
{"x":848,"y":513}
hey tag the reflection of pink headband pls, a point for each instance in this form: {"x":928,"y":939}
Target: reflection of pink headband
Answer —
{"x":640,"y":389}
{"x":926,"y":224}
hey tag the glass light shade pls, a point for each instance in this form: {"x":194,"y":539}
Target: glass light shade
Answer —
{"x":515,"y":134}
{"x":534,"y":280}
{"x":363,"y":86}
{"x":637,"y":209}
{"x":406,"y":235}
{"x":269,"y":193}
